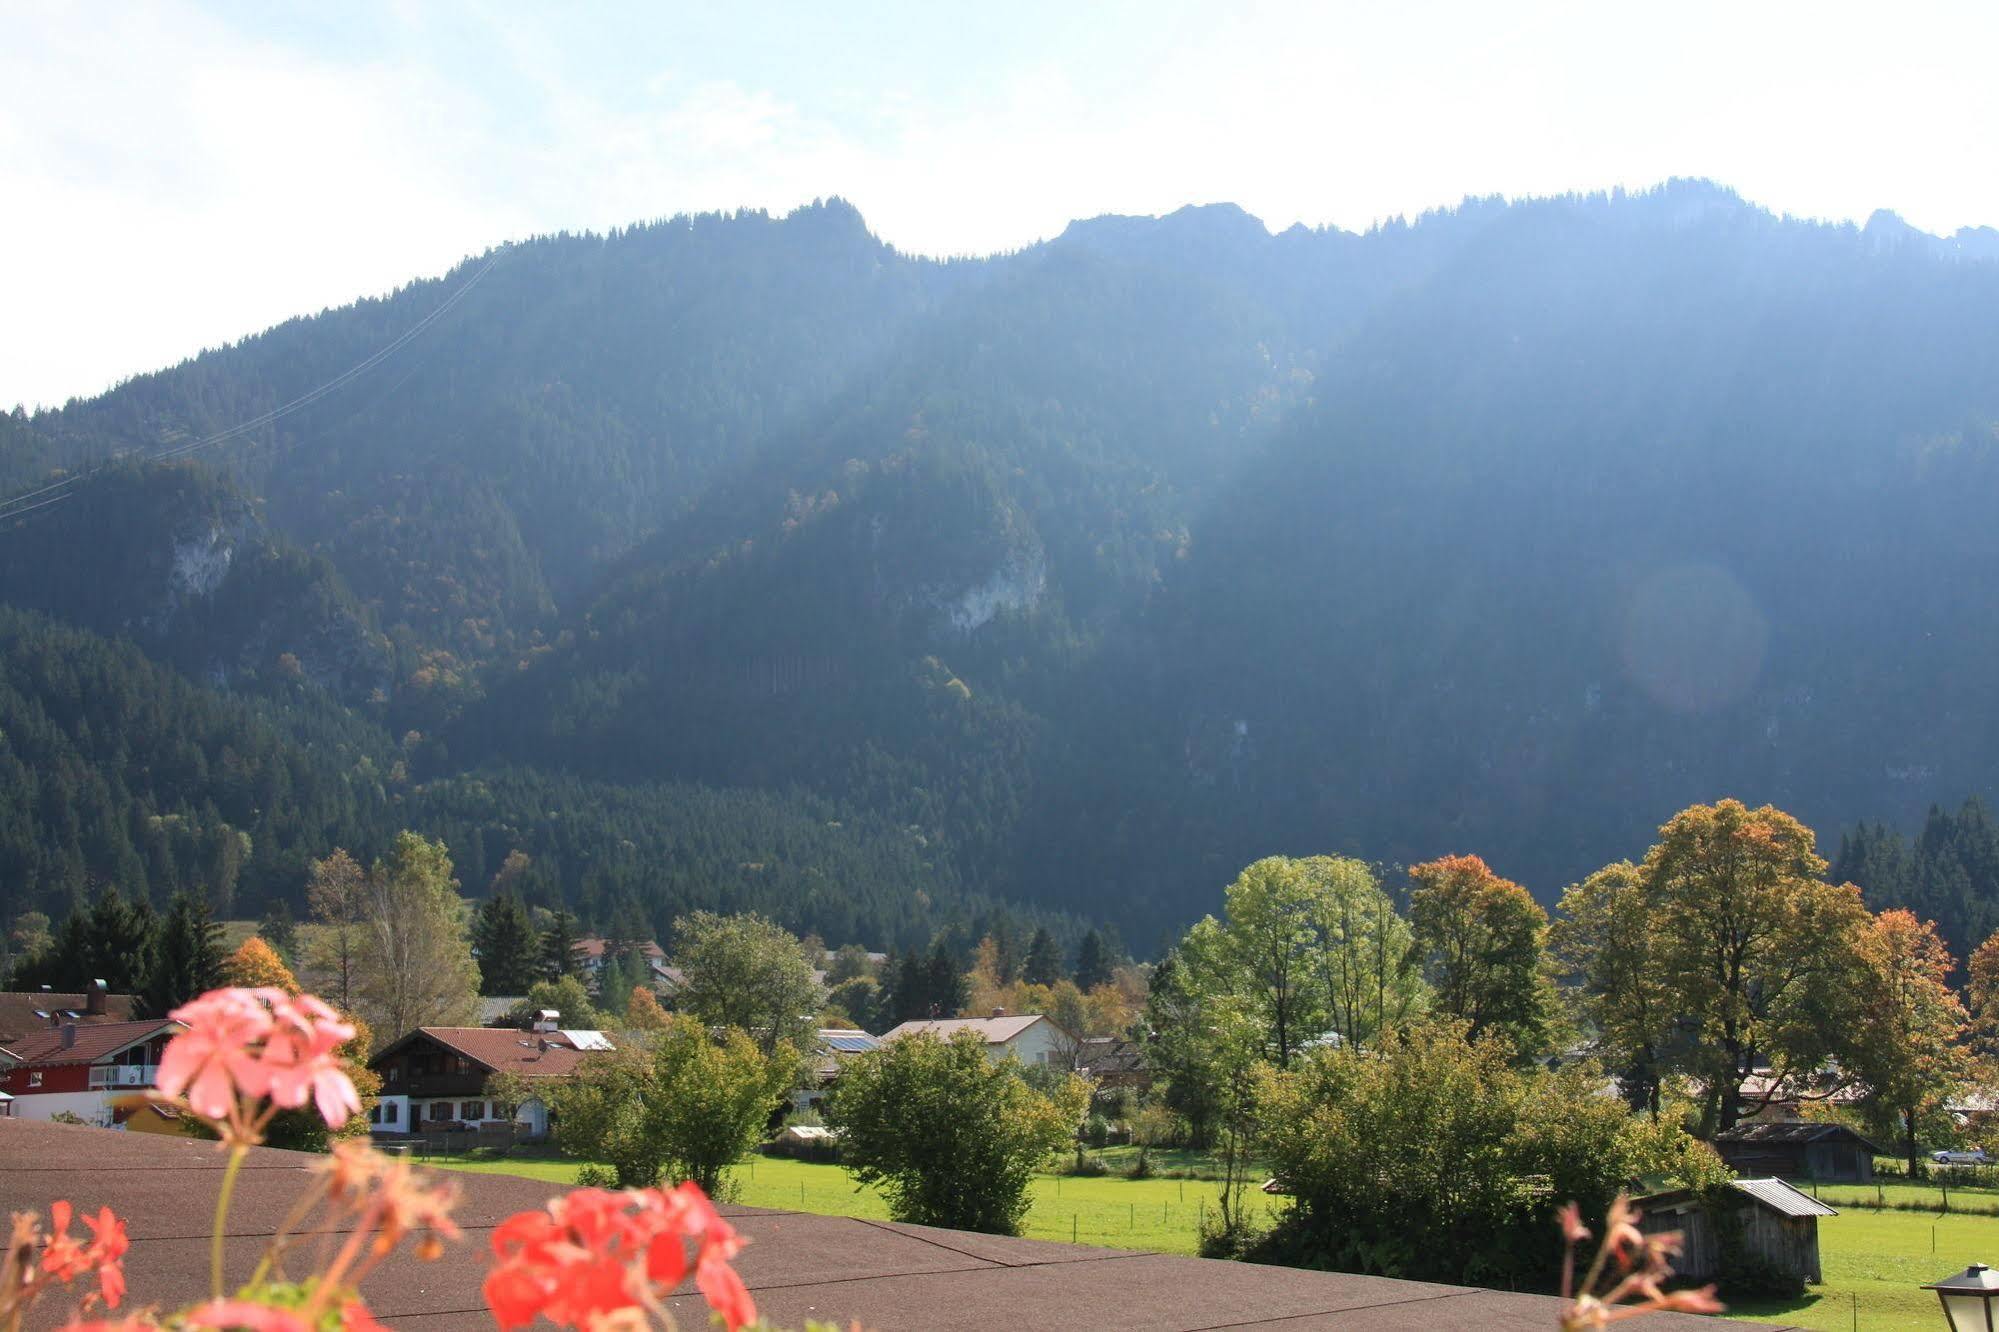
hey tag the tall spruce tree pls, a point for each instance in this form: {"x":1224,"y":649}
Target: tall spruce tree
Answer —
{"x":559,"y":943}
{"x":944,"y":988}
{"x":509,"y":949}
{"x":188,"y":960}
{"x":1093,"y":962}
{"x":1044,"y":959}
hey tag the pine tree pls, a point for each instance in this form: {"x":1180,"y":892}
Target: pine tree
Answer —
{"x":188,"y":961}
{"x":117,"y":943}
{"x":908,"y":1000}
{"x":509,"y":949}
{"x":944,"y":988}
{"x":558,"y":949}
{"x":1044,"y":960}
{"x":279,"y":930}
{"x":1093,"y":962}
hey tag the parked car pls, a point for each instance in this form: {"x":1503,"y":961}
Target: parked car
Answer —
{"x":1976,"y":1156}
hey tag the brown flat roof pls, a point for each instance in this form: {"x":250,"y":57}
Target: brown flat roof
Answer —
{"x":798,"y":1266}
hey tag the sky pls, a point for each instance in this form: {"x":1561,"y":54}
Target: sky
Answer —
{"x":174,"y":176}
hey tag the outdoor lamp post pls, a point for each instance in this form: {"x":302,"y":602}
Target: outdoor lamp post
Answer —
{"x":1968,"y":1298}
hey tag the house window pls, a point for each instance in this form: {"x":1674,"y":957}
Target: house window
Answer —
{"x":34,"y":1079}
{"x":374,"y":1114}
{"x":440,"y":1111}
{"x":471,"y":1110}
{"x":395,"y":1072}
{"x":390,"y":1114}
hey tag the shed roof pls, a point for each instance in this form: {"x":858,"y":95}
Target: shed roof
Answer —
{"x":1780,"y":1197}
{"x":1787,"y":1133}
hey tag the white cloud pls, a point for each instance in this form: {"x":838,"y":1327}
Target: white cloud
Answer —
{"x":172,"y":181}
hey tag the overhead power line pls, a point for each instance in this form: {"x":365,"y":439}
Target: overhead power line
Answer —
{"x":18,"y":505}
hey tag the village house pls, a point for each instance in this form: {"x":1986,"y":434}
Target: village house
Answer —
{"x":437,"y":1077}
{"x":664,"y":979}
{"x":1029,"y":1037}
{"x":832,"y":1047}
{"x":1797,"y":1151}
{"x":1113,"y":1063}
{"x":1774,"y":1223}
{"x":83,"y":1068}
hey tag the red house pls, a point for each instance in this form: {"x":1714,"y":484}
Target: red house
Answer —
{"x":83,"y":1069}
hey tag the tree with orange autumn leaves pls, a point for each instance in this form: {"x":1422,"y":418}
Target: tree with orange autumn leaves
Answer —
{"x":1908,"y":1046}
{"x":1483,"y":942}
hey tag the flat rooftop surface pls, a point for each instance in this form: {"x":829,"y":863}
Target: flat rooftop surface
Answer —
{"x":799,"y":1266}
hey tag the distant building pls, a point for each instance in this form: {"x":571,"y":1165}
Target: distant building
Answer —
{"x":1030,"y":1037}
{"x":1797,"y":1151}
{"x":592,"y":951}
{"x":25,"y":1011}
{"x":1113,"y":1062}
{"x":436,"y":1077}
{"x":831,"y":1048}
{"x":1775,"y":1223}
{"x":83,"y":1068}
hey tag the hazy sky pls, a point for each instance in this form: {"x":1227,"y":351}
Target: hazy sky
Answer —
{"x":173,"y":176}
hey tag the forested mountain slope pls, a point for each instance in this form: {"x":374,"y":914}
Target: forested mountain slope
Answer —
{"x":1082,"y":575}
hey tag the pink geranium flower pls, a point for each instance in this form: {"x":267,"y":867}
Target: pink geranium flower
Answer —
{"x":244,"y":1045}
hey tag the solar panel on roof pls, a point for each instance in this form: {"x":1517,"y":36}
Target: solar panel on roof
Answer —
{"x":851,"y":1044}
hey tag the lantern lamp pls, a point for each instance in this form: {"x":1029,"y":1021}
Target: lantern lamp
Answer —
{"x":1968,"y":1298}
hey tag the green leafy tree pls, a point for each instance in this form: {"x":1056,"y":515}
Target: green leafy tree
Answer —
{"x":1483,"y":943}
{"x":1437,"y":1157}
{"x":1606,"y":941}
{"x":861,"y":1000}
{"x":747,"y":972}
{"x":949,"y":1135}
{"x":509,"y":948}
{"x":1908,"y":1049}
{"x":566,"y":997}
{"x":1044,"y":959}
{"x":681,"y":1105}
{"x":413,"y":966}
{"x":188,"y":960}
{"x":1761,"y":959}
{"x":1361,"y":949}
{"x":336,"y":891}
{"x":850,"y":962}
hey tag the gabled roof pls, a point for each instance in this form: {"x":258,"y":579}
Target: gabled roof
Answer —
{"x":98,"y":1040}
{"x":1098,"y":1055}
{"x":593,"y":946}
{"x":23,"y":1012}
{"x":553,"y":1054}
{"x":993,"y":1031}
{"x":1772,"y":1194}
{"x":1788,"y":1133}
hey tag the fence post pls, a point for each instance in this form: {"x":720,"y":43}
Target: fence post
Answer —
{"x":1072,"y":1227}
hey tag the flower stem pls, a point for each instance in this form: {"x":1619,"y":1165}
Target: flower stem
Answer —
{"x":236,"y":1155}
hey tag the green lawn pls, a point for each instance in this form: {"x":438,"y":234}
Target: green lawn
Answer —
{"x":1159,"y":1214}
{"x":1882,"y":1257}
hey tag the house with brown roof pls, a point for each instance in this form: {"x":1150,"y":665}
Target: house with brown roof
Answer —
{"x":592,"y":952}
{"x":25,"y":1011}
{"x":436,"y":1078}
{"x":83,"y":1068}
{"x":1029,"y":1037}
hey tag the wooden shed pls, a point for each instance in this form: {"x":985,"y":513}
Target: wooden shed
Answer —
{"x":1779,"y":1225}
{"x":1797,"y":1151}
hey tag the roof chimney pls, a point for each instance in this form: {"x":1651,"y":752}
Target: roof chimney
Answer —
{"x":94,"y":998}
{"x":999,"y":1012}
{"x":68,"y":1035}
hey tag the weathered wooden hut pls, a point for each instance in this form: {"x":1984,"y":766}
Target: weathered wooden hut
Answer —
{"x":1797,"y":1151}
{"x":1771,"y":1221}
